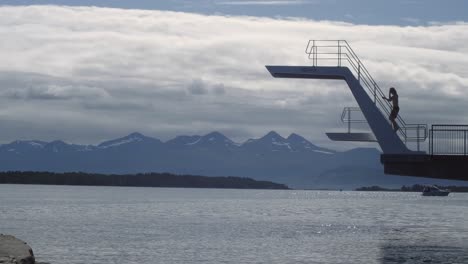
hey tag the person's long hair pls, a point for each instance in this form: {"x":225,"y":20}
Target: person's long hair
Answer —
{"x":392,"y":91}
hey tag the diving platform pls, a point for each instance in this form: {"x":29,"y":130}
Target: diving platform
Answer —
{"x":388,"y":140}
{"x":452,"y":167}
{"x":357,"y":137}
{"x":340,"y":62}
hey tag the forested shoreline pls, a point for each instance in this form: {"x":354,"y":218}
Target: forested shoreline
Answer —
{"x":413,"y":188}
{"x":135,"y":180}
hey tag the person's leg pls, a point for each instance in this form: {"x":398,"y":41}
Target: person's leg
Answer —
{"x":395,"y":125}
{"x":392,"y":117}
{"x":397,"y":110}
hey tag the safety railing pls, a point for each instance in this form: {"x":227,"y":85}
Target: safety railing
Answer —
{"x":352,"y":115}
{"x":338,"y":53}
{"x":414,"y":132}
{"x":348,"y":117}
{"x":448,"y":140}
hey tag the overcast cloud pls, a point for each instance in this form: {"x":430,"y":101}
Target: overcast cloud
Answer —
{"x":83,"y":74}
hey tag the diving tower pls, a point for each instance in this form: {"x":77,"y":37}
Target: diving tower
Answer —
{"x":447,"y":156}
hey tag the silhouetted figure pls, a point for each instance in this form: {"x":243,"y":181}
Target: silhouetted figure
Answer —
{"x":393,"y":96}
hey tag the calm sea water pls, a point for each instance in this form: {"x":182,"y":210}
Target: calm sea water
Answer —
{"x":73,"y":224}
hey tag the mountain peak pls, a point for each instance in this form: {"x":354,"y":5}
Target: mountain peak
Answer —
{"x":295,"y":137}
{"x":216,"y":138}
{"x":56,"y":143}
{"x":299,"y":140}
{"x":210,"y":139}
{"x":270,"y":142}
{"x":131,"y":138}
{"x":273,"y":136}
{"x":136,"y":135}
{"x":299,"y":143}
{"x":215,"y":134}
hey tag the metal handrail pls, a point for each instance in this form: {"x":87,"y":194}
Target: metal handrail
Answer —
{"x":359,"y":67}
{"x":456,"y":135}
{"x":346,"y":53}
{"x":346,"y":115}
{"x":314,"y":52}
{"x":419,"y":130}
{"x":418,"y":138}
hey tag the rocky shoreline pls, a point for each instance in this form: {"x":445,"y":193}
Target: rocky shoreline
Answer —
{"x":15,"y":251}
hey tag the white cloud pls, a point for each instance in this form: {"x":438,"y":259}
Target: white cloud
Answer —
{"x":114,"y":71}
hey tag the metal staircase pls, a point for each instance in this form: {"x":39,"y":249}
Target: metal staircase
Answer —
{"x":338,"y":53}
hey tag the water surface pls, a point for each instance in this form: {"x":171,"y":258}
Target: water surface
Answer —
{"x":81,"y":224}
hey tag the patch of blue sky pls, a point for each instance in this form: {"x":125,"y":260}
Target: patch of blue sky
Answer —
{"x":373,"y":12}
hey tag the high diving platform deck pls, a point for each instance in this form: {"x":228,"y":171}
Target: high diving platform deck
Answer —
{"x":429,"y":166}
{"x":447,"y":154}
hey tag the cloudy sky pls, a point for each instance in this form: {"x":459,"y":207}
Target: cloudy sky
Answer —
{"x":85,"y":73}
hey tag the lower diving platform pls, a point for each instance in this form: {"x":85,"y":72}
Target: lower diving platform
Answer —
{"x":359,"y":137}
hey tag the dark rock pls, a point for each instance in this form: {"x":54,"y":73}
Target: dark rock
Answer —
{"x":15,"y":251}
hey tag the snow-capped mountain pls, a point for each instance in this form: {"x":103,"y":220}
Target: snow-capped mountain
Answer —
{"x":182,"y":141}
{"x":298,"y":143}
{"x":211,"y":140}
{"x":60,"y":146}
{"x":276,"y":143}
{"x":270,"y":142}
{"x":215,"y":139}
{"x":293,"y":160}
{"x":133,"y":138}
{"x":19,"y":146}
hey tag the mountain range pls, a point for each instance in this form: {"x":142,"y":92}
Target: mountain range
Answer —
{"x":294,"y":160}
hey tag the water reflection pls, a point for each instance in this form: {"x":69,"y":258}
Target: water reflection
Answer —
{"x":427,"y":249}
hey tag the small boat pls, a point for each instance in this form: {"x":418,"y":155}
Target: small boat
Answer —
{"x":434,"y":191}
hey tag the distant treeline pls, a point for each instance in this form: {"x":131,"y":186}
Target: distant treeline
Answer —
{"x":414,"y":188}
{"x":138,"y":180}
